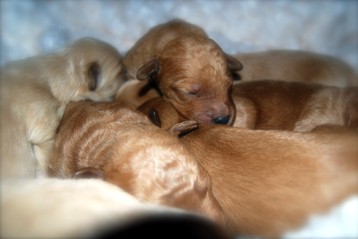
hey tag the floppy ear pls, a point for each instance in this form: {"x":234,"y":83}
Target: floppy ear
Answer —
{"x":149,"y":70}
{"x":233,"y":65}
{"x":93,"y":75}
{"x":89,"y":172}
{"x":184,"y":127}
{"x":154,"y":117}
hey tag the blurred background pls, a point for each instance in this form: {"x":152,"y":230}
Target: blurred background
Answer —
{"x":30,"y":27}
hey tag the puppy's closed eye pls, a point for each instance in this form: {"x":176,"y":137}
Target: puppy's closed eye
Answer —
{"x":185,"y":90}
{"x":93,"y":74}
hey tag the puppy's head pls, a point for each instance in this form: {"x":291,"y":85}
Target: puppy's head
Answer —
{"x":95,"y":69}
{"x":142,"y":159}
{"x":196,"y":77}
{"x":160,"y":112}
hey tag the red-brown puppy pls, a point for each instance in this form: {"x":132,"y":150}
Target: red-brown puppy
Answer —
{"x":296,"y":106}
{"x":269,"y":182}
{"x":187,"y":68}
{"x":123,"y":147}
{"x":279,"y":105}
{"x":293,"y":65}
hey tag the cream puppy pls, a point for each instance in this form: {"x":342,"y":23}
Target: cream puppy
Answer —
{"x":35,"y":91}
{"x":180,"y":62}
{"x":84,"y":208}
{"x":292,"y":65}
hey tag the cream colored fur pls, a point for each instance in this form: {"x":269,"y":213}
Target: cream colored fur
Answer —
{"x":73,"y":208}
{"x":35,"y":91}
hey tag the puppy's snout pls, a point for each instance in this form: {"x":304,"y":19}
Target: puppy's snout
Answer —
{"x":222,"y":120}
{"x":219,"y":113}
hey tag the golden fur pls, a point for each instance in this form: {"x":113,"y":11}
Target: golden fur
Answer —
{"x":180,"y":62}
{"x":294,"y":65}
{"x":35,"y":91}
{"x":123,"y":147}
{"x":268,"y":182}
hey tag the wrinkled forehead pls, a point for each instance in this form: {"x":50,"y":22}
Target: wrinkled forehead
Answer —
{"x":194,"y":47}
{"x":198,"y":60}
{"x":205,"y":70}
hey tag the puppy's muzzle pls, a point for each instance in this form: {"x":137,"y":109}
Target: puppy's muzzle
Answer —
{"x":222,"y":120}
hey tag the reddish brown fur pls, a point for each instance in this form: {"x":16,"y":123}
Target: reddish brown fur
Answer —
{"x":168,"y":115}
{"x":132,"y":153}
{"x":268,"y":182}
{"x":279,"y":105}
{"x":293,"y":65}
{"x":189,"y":69}
{"x":294,"y":106}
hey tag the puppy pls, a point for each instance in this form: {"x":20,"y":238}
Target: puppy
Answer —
{"x":277,"y":105}
{"x":124,"y":148}
{"x":161,"y":113}
{"x":35,"y":91}
{"x":292,"y":65}
{"x":269,"y":182}
{"x":179,"y":61}
{"x":296,"y":106}
{"x":44,"y":208}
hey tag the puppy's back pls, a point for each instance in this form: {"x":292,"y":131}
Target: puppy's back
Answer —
{"x":271,"y":181}
{"x":290,"y":65}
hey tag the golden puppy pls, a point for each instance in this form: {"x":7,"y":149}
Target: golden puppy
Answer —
{"x":186,"y":67}
{"x":123,"y":147}
{"x":268,"y":104}
{"x":269,"y":182}
{"x":294,"y":106}
{"x":292,"y":65}
{"x":35,"y":91}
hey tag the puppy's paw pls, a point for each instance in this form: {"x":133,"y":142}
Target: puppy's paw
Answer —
{"x":184,"y":127}
{"x":89,"y":172}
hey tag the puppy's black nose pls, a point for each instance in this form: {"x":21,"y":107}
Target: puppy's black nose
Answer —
{"x":222,"y":120}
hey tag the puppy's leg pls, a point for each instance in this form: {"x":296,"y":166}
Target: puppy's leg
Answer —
{"x":183,"y":127}
{"x":324,"y":108}
{"x":43,"y":124}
